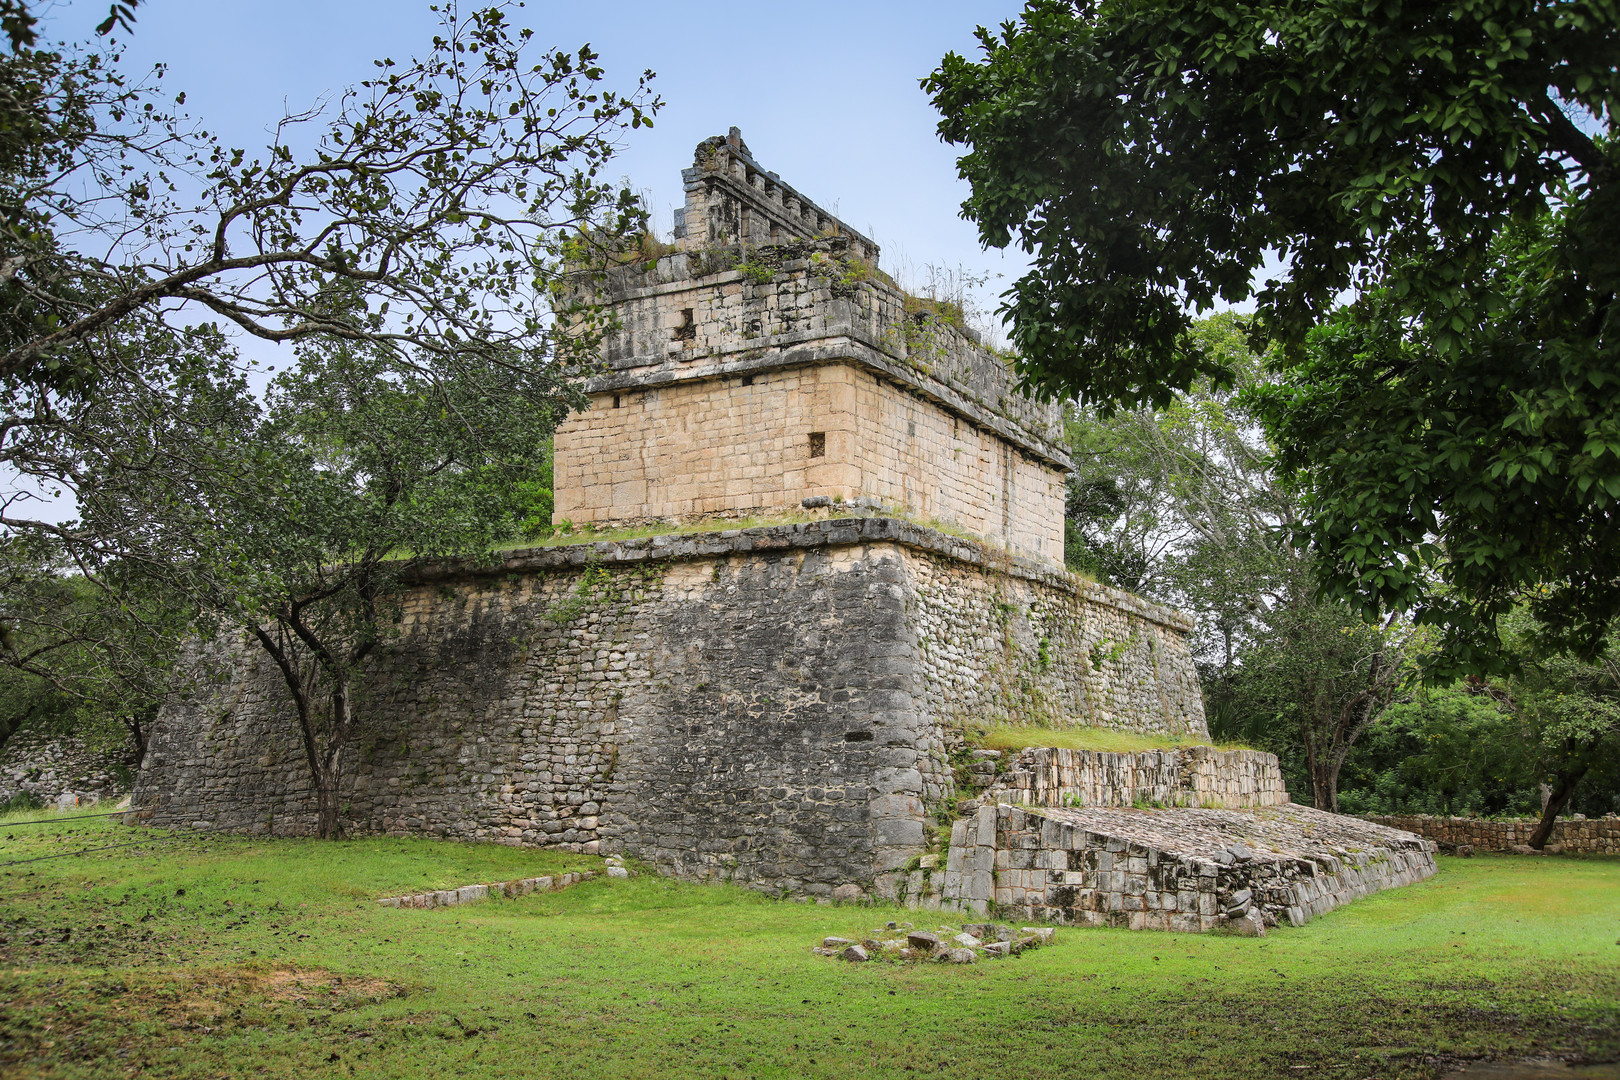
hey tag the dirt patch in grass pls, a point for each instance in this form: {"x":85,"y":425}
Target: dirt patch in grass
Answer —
{"x":52,"y":1026}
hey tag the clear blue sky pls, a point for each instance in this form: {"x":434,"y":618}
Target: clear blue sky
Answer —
{"x":825,"y":93}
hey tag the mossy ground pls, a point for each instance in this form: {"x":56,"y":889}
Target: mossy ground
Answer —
{"x":196,"y":956}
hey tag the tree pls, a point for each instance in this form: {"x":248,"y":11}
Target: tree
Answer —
{"x":1464,"y":474}
{"x":1316,"y":669}
{"x":443,"y":191}
{"x":1199,"y":513}
{"x":1183,"y":503}
{"x":1570,"y":710}
{"x":96,"y":656}
{"x":426,"y":259}
{"x":1445,"y":750}
{"x":359,"y":470}
{"x":1153,"y":159}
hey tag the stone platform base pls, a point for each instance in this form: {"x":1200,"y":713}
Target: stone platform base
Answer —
{"x":1173,"y":869}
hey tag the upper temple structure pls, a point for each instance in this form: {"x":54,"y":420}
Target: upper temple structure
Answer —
{"x":766,"y":360}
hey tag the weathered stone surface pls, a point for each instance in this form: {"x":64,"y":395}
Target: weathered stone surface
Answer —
{"x":855,"y":953}
{"x":801,"y":374}
{"x":470,"y":893}
{"x":50,"y":767}
{"x":1248,"y":925}
{"x":1178,"y":869}
{"x":836,"y":942}
{"x":773,"y":717}
{"x":960,"y":956}
{"x":1199,"y":776}
{"x":923,"y":941}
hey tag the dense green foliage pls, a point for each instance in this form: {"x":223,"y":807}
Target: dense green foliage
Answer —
{"x":1461,"y":470}
{"x":1454,"y":427}
{"x":1185,"y":504}
{"x":1457,"y":751}
{"x":233,"y":957}
{"x":80,"y":657}
{"x":425,"y":259}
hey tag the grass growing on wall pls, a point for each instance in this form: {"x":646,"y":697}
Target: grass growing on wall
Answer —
{"x":194,"y":956}
{"x":584,"y":534}
{"x":1015,"y":738}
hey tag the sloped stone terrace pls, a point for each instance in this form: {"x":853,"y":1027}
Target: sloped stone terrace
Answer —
{"x":1175,"y":869}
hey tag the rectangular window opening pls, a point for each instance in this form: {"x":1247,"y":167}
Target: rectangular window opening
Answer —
{"x":818,"y":444}
{"x":616,"y":401}
{"x":748,"y":380}
{"x":687,"y":331}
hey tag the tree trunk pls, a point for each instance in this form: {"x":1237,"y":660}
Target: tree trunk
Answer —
{"x":1554,"y":806}
{"x":1325,"y":783}
{"x":140,"y":733}
{"x":329,"y":778}
{"x":328,"y":782}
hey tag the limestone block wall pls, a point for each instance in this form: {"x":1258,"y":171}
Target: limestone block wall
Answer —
{"x":760,"y":444}
{"x":1050,"y":649}
{"x":740,"y":718}
{"x":1587,"y":836}
{"x":728,"y":311}
{"x":1186,"y":870}
{"x":702,"y":405}
{"x":1200,"y":776}
{"x":747,"y":705}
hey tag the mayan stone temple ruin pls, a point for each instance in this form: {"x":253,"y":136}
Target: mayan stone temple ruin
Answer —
{"x":792,"y":705}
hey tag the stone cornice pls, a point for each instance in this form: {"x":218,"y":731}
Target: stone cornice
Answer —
{"x":846,"y":340}
{"x":832,"y":533}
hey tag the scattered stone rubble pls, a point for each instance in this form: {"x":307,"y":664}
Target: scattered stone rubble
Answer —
{"x":901,"y":941}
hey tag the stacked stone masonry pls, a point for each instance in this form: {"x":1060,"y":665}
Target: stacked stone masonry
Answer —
{"x":1184,"y":869}
{"x":1584,"y":836}
{"x":65,"y":770}
{"x":1199,"y":776}
{"x":754,"y":705}
{"x":767,"y":361}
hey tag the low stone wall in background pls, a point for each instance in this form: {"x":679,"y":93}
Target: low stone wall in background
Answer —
{"x":1584,"y":836}
{"x":1200,"y":776}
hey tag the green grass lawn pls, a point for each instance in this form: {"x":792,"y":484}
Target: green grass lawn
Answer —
{"x":236,"y":957}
